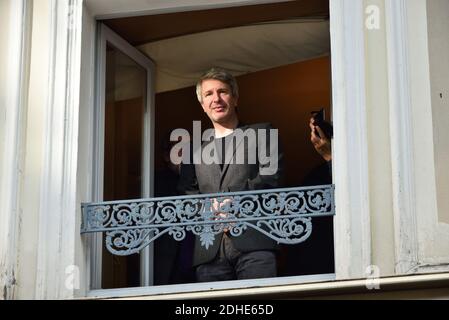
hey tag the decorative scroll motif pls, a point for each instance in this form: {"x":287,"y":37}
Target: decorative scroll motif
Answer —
{"x":285,"y":215}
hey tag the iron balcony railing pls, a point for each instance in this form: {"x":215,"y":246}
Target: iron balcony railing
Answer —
{"x":285,"y":215}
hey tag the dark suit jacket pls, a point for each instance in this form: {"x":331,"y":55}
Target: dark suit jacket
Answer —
{"x":233,"y":177}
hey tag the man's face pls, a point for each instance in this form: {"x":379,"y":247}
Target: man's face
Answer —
{"x":218,"y":101}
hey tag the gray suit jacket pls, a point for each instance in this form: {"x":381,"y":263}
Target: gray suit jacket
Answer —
{"x":233,"y":177}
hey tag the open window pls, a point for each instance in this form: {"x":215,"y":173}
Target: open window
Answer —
{"x":123,"y":147}
{"x":280,"y":54}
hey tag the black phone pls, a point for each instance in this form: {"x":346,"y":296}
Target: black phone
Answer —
{"x":319,"y":120}
{"x":318,"y":116}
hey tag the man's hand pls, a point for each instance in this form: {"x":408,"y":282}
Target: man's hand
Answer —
{"x":321,"y":143}
{"x":217,"y":206}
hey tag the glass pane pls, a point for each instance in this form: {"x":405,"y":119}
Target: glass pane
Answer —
{"x":123,"y":153}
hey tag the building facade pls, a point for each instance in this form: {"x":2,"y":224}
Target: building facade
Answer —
{"x":389,"y":78}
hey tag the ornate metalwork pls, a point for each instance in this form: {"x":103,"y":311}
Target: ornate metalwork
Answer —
{"x":285,"y":215}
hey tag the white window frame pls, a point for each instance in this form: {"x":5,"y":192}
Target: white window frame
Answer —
{"x":106,"y":35}
{"x":352,"y":230}
{"x":67,"y":173}
{"x":352,"y":227}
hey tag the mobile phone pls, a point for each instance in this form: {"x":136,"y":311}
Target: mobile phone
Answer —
{"x":319,"y":120}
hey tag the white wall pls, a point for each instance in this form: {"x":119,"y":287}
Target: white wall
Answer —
{"x":377,"y":106}
{"x":426,"y":225}
{"x":14,"y":18}
{"x":433,"y":236}
{"x":4,"y":37}
{"x":438,"y":32}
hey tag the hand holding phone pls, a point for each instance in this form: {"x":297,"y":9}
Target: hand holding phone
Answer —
{"x":318,"y":120}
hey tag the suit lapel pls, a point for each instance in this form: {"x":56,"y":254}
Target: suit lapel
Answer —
{"x":213,"y":170}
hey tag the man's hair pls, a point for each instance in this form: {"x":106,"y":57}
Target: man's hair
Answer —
{"x":221,"y":75}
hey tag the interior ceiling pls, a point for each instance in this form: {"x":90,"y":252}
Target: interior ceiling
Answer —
{"x":241,"y":40}
{"x":143,"y":29}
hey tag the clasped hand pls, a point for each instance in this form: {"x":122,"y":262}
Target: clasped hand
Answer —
{"x":218,"y":206}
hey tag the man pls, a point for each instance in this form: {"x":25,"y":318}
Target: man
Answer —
{"x":252,"y":254}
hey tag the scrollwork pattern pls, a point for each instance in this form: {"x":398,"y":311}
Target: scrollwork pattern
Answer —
{"x":285,"y":215}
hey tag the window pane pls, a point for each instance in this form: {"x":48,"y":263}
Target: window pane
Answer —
{"x":123,"y":153}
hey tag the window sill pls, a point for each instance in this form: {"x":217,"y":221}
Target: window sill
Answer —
{"x":316,"y":287}
{"x":220,"y":289}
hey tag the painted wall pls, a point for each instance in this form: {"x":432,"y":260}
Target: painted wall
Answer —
{"x":286,"y":96}
{"x":6,"y":264}
{"x":429,"y":134}
{"x":428,"y":70}
{"x":433,"y":235}
{"x":4,"y":37}
{"x":432,"y":241}
{"x":438,"y":30}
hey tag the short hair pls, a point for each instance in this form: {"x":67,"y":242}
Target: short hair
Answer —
{"x":221,"y":75}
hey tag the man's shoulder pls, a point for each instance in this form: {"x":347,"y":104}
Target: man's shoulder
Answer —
{"x":260,"y":125}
